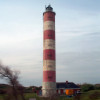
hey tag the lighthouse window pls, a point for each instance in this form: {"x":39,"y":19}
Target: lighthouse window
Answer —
{"x":50,"y":55}
{"x":49,"y":65}
{"x":50,"y":25}
{"x":49,"y":44}
{"x":49,"y":35}
{"x":50,"y":17}
{"x":50,"y":77}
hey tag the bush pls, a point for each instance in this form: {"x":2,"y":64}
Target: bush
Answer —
{"x":87,"y":87}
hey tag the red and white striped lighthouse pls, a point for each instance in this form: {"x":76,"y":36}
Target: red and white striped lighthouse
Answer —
{"x":49,"y":63}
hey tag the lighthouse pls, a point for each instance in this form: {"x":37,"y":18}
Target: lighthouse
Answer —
{"x":49,"y":53}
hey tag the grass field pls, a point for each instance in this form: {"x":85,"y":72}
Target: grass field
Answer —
{"x":84,"y":96}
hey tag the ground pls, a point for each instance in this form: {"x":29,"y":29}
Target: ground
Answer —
{"x":90,"y":95}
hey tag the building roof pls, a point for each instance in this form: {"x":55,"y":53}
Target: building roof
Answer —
{"x":68,"y":85}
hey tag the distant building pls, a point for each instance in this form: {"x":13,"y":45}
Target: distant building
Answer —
{"x":68,"y":88}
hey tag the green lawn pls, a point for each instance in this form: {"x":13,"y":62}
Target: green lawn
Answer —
{"x":84,"y":96}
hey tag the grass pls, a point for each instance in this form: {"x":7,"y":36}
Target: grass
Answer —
{"x":84,"y":96}
{"x":31,"y":95}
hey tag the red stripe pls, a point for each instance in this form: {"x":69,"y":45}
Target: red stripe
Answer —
{"x":48,"y":54}
{"x":49,"y":76}
{"x":49,"y":34}
{"x":49,"y":16}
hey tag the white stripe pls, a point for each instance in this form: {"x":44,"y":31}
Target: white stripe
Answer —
{"x":49,"y":65}
{"x":49,"y":44}
{"x":49,"y":25}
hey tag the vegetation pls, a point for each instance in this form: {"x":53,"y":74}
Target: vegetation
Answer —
{"x":87,"y":87}
{"x":15,"y":88}
{"x":90,"y":95}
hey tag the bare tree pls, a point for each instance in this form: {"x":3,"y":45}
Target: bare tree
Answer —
{"x":12,"y":78}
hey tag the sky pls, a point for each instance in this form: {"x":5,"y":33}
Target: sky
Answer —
{"x":77,"y":39}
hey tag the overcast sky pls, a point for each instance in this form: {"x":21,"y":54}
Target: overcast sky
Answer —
{"x":77,"y":39}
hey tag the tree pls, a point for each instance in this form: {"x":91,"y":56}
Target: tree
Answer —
{"x":12,"y":78}
{"x":87,"y":87}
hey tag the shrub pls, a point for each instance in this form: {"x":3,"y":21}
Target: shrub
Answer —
{"x":87,"y":87}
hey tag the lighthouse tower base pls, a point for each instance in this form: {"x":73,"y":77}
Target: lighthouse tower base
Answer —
{"x":48,"y":92}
